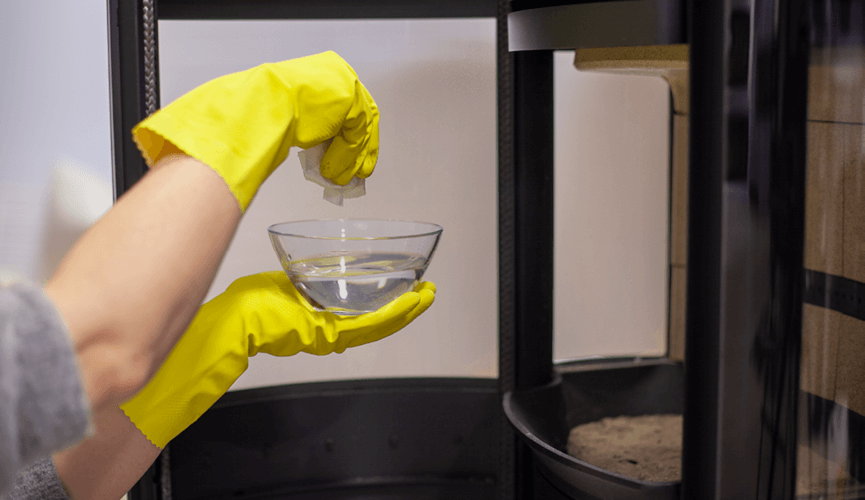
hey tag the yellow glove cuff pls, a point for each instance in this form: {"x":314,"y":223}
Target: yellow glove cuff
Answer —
{"x":202,"y":366}
{"x":244,"y":165}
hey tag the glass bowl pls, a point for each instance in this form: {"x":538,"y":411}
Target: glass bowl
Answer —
{"x":351,"y":267}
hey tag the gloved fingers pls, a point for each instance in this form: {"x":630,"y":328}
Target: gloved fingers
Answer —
{"x":387,"y":314}
{"x":287,"y":324}
{"x":372,"y":149}
{"x":388,"y":329}
{"x":342,"y":160}
{"x":426,"y":292}
{"x":348,"y":153}
{"x":426,"y":285}
{"x":374,"y":325}
{"x":401,"y":309}
{"x":398,"y":315}
{"x":427,"y":297}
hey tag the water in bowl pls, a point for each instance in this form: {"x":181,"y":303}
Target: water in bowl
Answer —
{"x":352,"y":283}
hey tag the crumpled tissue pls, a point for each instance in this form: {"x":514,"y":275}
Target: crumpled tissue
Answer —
{"x":310,"y":160}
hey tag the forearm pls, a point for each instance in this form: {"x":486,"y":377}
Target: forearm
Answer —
{"x":107,"y":465}
{"x":141,"y":273}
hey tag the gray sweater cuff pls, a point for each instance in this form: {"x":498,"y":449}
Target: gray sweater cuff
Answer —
{"x":38,"y":482}
{"x":43,"y":405}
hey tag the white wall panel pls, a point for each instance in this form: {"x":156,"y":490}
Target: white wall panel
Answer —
{"x":612,"y":213}
{"x":434,"y":82}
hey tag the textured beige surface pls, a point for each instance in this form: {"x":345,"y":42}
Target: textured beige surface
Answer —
{"x":835,"y":223}
{"x":854,"y":202}
{"x":820,"y":334}
{"x":679,"y":193}
{"x":678,"y":81}
{"x":678,"y":301}
{"x":679,"y":222}
{"x":836,"y":87}
{"x":645,"y":447}
{"x":850,"y":381}
{"x":648,"y":56}
{"x":824,"y":197}
{"x":667,"y":61}
{"x":817,"y":475}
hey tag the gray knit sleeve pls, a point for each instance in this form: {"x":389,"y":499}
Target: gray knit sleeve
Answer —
{"x":43,"y":405}
{"x":37,"y":482}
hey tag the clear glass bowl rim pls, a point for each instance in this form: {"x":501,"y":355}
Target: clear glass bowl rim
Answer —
{"x":434,"y":229}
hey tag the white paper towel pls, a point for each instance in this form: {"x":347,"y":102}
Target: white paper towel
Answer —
{"x":310,"y":160}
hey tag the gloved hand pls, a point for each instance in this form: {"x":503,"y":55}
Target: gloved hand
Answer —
{"x":258,"y":313}
{"x":243,"y":124}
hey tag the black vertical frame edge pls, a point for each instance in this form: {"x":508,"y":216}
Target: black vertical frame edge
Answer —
{"x":787,"y":183}
{"x":533,"y":188}
{"x":781,"y":96}
{"x":506,"y":254}
{"x":525,"y":180}
{"x":533,"y":152}
{"x":776,"y":184}
{"x":126,"y":45}
{"x":114,"y":69}
{"x":707,"y":153}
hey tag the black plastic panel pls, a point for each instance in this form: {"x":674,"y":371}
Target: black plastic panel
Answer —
{"x":554,"y":25}
{"x":517,"y":5}
{"x":507,"y":294}
{"x":745,"y":248}
{"x":324,"y":9}
{"x":393,"y":438}
{"x":126,"y":33}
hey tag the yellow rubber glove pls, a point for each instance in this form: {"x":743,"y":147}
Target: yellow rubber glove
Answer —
{"x":258,"y":313}
{"x":243,"y":124}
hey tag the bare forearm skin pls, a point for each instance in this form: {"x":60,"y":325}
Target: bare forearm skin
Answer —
{"x":106,"y":466}
{"x":131,"y":284}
